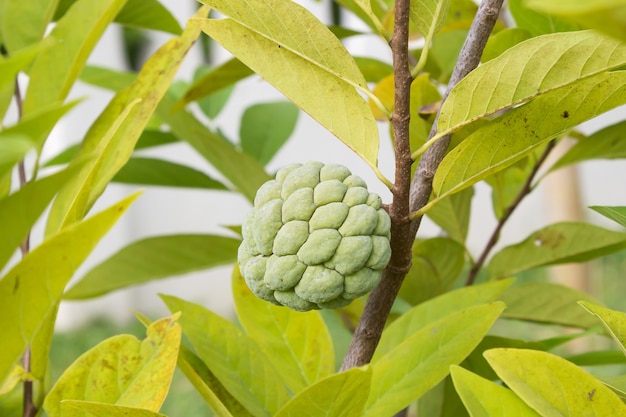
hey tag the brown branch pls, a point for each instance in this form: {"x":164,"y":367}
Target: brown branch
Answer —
{"x":378,"y":306}
{"x":526,"y":189}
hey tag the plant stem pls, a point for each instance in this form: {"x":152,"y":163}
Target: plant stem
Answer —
{"x":410,"y":196}
{"x":371,"y":323}
{"x":526,"y":189}
{"x":28,"y":408}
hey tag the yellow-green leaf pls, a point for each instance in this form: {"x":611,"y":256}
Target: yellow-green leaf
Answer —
{"x":339,"y":395}
{"x":113,"y":135}
{"x":545,"y":302}
{"x":517,"y":133}
{"x":54,"y":71}
{"x":121,"y":370}
{"x":423,"y":359}
{"x":96,"y":409}
{"x":553,"y":386}
{"x":296,"y":53}
{"x":208,"y":386}
{"x":298,"y":344}
{"x":528,"y":70}
{"x":556,"y":244}
{"x":484,"y":398}
{"x":432,"y":310}
{"x":608,"y":16}
{"x":614,"y":321}
{"x":23,"y":23}
{"x":233,"y":357}
{"x":30,"y":291}
{"x":615,"y":213}
{"x":154,"y":258}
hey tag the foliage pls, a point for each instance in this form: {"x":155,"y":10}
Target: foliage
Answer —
{"x":554,"y":65}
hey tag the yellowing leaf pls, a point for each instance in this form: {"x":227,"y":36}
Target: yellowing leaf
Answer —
{"x":429,"y":15}
{"x":121,"y":370}
{"x":113,"y":135}
{"x":614,"y":321}
{"x":30,"y":291}
{"x":292,"y":50}
{"x":511,"y":137}
{"x":95,"y":409}
{"x":527,"y":70}
{"x":423,"y":358}
{"x":484,"y":398}
{"x":553,"y":386}
{"x":23,"y":23}
{"x":339,"y":395}
{"x":233,"y":357}
{"x":298,"y":344}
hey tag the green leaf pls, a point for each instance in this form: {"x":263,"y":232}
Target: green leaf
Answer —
{"x":23,"y":23}
{"x":233,"y":357}
{"x":538,"y":23}
{"x":614,"y":321}
{"x":529,"y":70}
{"x":297,"y":344}
{"x":552,"y":386}
{"x":96,"y":409}
{"x":549,"y":303}
{"x":218,"y":78}
{"x":511,"y":137}
{"x":217,"y":397}
{"x":441,"y":401}
{"x":56,"y":68}
{"x":372,"y":69}
{"x":37,"y":125}
{"x":20,"y":210}
{"x":483,"y":398}
{"x":155,"y":258}
{"x":13,"y":148}
{"x":423,"y":359}
{"x":429,"y":15}
{"x":608,"y":16}
{"x":556,"y":244}
{"x":452,"y":214}
{"x":9,"y":67}
{"x":107,"y":78}
{"x":615,"y":213}
{"x":148,"y":139}
{"x":31,"y":290}
{"x":598,"y":358}
{"x":148,"y":14}
{"x":436,"y":264}
{"x":150,"y":171}
{"x":432,"y":310}
{"x":502,"y":41}
{"x":616,"y":383}
{"x":281,"y":42}
{"x":113,"y":135}
{"x":121,"y":370}
{"x":606,"y":143}
{"x":339,"y":395}
{"x":244,"y":173}
{"x":266,"y":127}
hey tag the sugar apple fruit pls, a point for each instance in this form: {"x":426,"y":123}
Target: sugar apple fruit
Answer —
{"x":316,"y":238}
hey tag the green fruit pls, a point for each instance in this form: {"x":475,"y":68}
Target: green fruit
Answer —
{"x":316,"y":238}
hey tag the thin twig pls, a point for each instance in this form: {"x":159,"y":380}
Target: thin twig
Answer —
{"x":403,"y":230}
{"x":526,"y":189}
{"x":28,"y":407}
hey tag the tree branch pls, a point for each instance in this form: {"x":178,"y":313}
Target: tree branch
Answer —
{"x":526,"y":189}
{"x":403,"y":231}
{"x":378,"y":306}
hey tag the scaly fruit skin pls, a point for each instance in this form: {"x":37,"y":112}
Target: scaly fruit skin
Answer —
{"x":316,"y":238}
